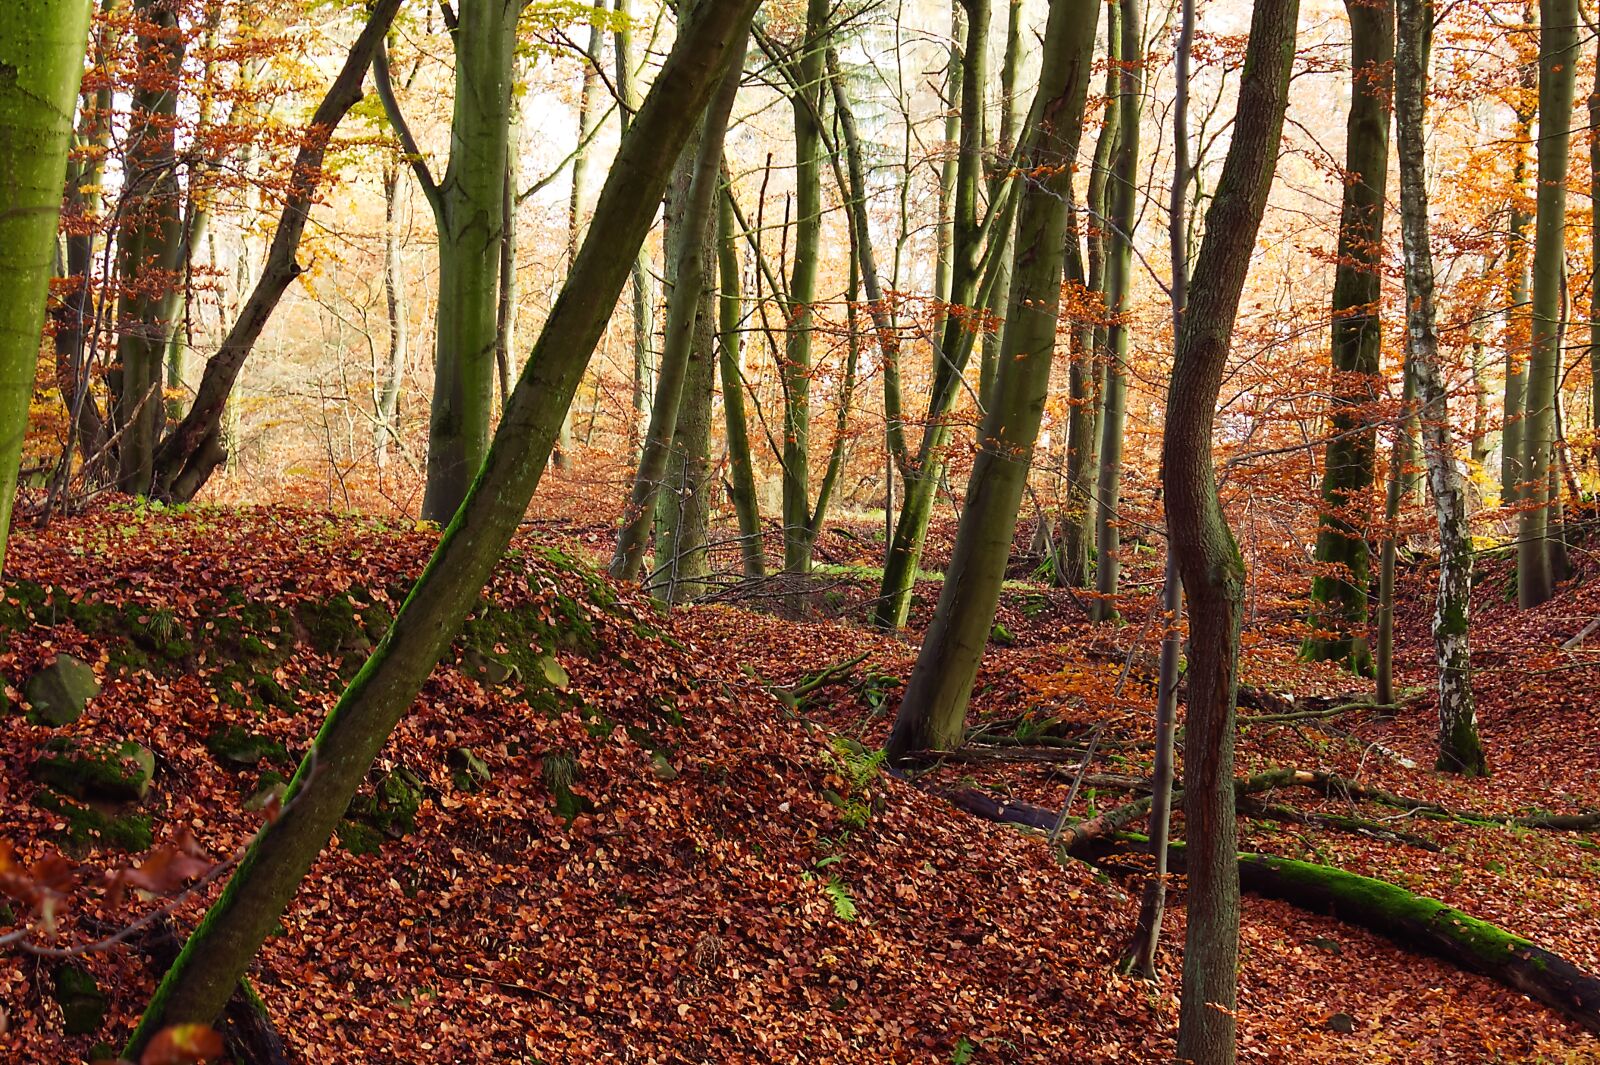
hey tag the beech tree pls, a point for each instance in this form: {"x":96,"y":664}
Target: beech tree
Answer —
{"x":42,"y":45}
{"x":1207,"y":555}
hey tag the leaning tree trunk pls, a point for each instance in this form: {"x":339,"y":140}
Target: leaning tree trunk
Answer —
{"x":1339,"y":592}
{"x":191,"y":451}
{"x":42,"y":45}
{"x":933,"y":712}
{"x":201,"y":980}
{"x":1002,"y":153}
{"x":1459,"y":749}
{"x":1123,"y":196}
{"x":1207,"y":556}
{"x":741,"y":471}
{"x":683,"y":312}
{"x":1558,"y":56}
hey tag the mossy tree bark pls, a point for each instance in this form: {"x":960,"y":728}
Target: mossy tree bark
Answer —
{"x":1001,"y":152}
{"x":1119,"y":226}
{"x":1459,"y":749}
{"x":933,"y":711}
{"x":201,"y":980}
{"x":1558,"y":62}
{"x":642,"y":289}
{"x":741,"y":471}
{"x":42,"y":45}
{"x":1208,"y":559}
{"x":687,"y":305}
{"x":1517,"y":331}
{"x":1339,"y":593}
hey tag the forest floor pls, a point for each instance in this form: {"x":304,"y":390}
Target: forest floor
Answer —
{"x":605,"y":833}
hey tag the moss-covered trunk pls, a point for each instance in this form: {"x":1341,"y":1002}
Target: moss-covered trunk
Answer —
{"x":642,"y":289}
{"x":1207,"y":556}
{"x":933,"y":712}
{"x":1339,"y":592}
{"x":198,"y":985}
{"x":42,"y":45}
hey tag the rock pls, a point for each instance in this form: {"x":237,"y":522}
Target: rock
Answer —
{"x":391,"y":809}
{"x":86,"y":827}
{"x":487,"y":670}
{"x":555,"y":674}
{"x":240,"y":747}
{"x":1342,"y":1023}
{"x":468,"y":770}
{"x":98,"y":771}
{"x":60,"y":692}
{"x":83,"y":1004}
{"x":662,"y":767}
{"x":268,"y":790}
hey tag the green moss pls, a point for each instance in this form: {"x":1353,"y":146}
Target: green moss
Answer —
{"x":83,"y":1004}
{"x":87,"y":827}
{"x":560,"y":771}
{"x":103,"y":771}
{"x":391,"y":808}
{"x":239,"y":746}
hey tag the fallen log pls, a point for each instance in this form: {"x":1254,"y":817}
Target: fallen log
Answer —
{"x":1391,"y":911}
{"x":992,"y":807}
{"x":1335,"y":786}
{"x":1272,"y":811}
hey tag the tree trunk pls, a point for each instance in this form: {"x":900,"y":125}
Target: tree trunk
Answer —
{"x":469,"y":207}
{"x":42,"y":45}
{"x":796,"y":369}
{"x":1083,"y":382}
{"x":202,"y":979}
{"x":643,"y":284}
{"x":684,"y":307}
{"x":1339,"y":592}
{"x":1558,"y":57}
{"x":741,"y":471}
{"x":1124,"y":212}
{"x":149,"y":242}
{"x":1517,"y":332}
{"x":1394,"y":495}
{"x":1002,"y":152}
{"x":1207,"y":556}
{"x":933,"y":712}
{"x":194,"y":449}
{"x":1459,"y":749}
{"x":394,"y":297}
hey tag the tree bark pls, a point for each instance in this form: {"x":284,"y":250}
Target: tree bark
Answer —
{"x":1207,"y":556}
{"x":933,"y":712}
{"x":1459,"y":748}
{"x":1124,"y":212}
{"x":199,"y":984}
{"x":1558,"y":61}
{"x":642,"y":289}
{"x":741,"y":472}
{"x":42,"y":45}
{"x":685,"y":307}
{"x":1339,"y":593}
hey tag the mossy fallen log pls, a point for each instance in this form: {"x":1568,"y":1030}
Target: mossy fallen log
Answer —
{"x":1409,"y":919}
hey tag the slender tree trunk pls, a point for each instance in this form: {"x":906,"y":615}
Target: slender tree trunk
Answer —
{"x":1558,"y":56}
{"x":1083,"y":381}
{"x":1518,"y":332}
{"x":933,"y":713}
{"x":643,"y":286}
{"x":1394,"y":494}
{"x":1003,"y":150}
{"x":741,"y":471}
{"x":394,"y":297}
{"x":796,"y":369}
{"x":1207,"y":556}
{"x":199,"y":983}
{"x":1594,"y":254}
{"x":1140,"y":957}
{"x":953,"y":90}
{"x":1339,"y":592}
{"x":684,"y":306}
{"x":148,"y":247}
{"x":42,"y":45}
{"x":1459,"y":749}
{"x":1123,"y":196}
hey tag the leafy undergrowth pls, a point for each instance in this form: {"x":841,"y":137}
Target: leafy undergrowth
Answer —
{"x":661,"y":866}
{"x":1305,"y":978}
